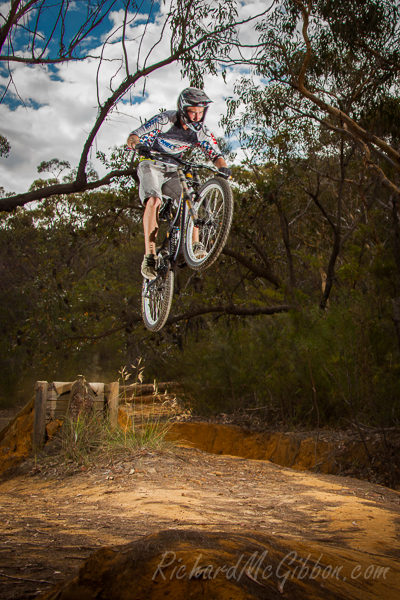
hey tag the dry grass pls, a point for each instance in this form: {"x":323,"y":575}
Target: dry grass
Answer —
{"x":89,"y":435}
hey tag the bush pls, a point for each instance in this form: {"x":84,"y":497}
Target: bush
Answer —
{"x":307,"y":369}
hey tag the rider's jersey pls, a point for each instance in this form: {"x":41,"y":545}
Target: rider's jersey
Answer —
{"x":164,"y":133}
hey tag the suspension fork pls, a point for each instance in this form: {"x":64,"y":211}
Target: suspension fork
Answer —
{"x":175,"y":226}
{"x":186,"y":194}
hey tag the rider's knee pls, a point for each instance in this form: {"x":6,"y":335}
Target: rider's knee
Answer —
{"x":153,"y":202}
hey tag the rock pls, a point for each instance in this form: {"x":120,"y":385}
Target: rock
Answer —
{"x":16,"y":438}
{"x":182,"y":564}
{"x":82,"y":398}
{"x":297,"y":450}
{"x":53,"y":427}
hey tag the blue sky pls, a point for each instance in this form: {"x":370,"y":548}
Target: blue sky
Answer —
{"x":61,"y":102}
{"x":49,"y":28}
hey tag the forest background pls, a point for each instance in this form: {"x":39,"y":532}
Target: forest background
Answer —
{"x":299,"y":319}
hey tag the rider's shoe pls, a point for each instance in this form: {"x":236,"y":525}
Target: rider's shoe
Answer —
{"x":148,"y":268}
{"x":198,"y":250}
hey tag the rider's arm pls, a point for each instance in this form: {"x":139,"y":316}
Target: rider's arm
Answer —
{"x":149,"y":131}
{"x":220,"y":162}
{"x":209,"y":145}
{"x":133,"y":139}
{"x":224,"y":170}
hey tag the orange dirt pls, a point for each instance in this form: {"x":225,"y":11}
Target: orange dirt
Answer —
{"x":53,"y":516}
{"x":50,"y":521}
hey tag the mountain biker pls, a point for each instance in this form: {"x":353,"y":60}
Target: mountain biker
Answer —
{"x":171,"y":132}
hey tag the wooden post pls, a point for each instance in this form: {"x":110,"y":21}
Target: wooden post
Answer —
{"x":113,"y":402}
{"x":39,"y":424}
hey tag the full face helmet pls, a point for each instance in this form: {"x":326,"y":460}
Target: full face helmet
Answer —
{"x":192,"y":97}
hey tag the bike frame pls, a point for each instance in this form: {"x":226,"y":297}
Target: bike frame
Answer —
{"x":186,"y":217}
{"x":177,"y":224}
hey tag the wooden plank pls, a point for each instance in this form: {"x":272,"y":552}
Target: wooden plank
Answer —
{"x":62,"y":387}
{"x":97,"y":387}
{"x":149,"y":388}
{"x":98,"y":404}
{"x":39,"y":424}
{"x":112,"y":403}
{"x":59,"y":394}
{"x":153,"y":399}
{"x":52,"y":398}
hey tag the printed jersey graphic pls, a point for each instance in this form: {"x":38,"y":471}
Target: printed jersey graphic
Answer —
{"x":165,"y":134}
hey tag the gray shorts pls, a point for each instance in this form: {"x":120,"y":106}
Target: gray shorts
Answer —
{"x":157,"y":178}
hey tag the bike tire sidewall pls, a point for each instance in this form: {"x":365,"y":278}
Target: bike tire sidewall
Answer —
{"x":223,"y":233}
{"x":156,"y":325}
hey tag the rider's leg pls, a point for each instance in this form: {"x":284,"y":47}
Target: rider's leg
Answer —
{"x":150,"y":224}
{"x":172,"y":187}
{"x":198,"y":248}
{"x":150,"y":228}
{"x":195,"y":234}
{"x":150,"y":182}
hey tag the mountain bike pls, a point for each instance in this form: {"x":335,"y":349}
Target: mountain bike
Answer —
{"x":202,"y":214}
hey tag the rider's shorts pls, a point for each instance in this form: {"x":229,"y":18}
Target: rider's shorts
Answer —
{"x":157,"y":178}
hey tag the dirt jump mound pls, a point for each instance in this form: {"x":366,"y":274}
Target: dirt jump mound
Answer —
{"x":182,"y":564}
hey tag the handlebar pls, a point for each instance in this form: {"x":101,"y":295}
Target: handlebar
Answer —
{"x":159,"y":155}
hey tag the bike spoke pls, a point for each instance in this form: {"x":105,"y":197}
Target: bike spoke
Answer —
{"x":213,"y":209}
{"x":156,"y":299}
{"x":211,"y":226}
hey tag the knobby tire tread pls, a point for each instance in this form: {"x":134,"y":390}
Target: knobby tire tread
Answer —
{"x":223,"y":231}
{"x":165,"y":306}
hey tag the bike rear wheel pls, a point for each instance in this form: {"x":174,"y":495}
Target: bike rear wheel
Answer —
{"x":157,"y":299}
{"x":214,"y":213}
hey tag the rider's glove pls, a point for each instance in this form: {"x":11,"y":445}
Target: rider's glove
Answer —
{"x":143,"y":150}
{"x":225,"y":172}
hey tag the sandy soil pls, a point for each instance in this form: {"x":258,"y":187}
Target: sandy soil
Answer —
{"x":50,"y":521}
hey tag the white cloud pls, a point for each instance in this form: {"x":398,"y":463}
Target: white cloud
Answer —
{"x":68,"y":107}
{"x":4,"y":10}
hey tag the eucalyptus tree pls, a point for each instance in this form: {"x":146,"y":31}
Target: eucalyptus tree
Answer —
{"x":39,"y":32}
{"x":344,"y":59}
{"x":200,"y":34}
{"x":326,"y":77}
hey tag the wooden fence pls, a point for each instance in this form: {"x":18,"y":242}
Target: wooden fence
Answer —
{"x":52,"y":400}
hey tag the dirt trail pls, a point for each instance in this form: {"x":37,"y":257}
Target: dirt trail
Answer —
{"x":50,"y":522}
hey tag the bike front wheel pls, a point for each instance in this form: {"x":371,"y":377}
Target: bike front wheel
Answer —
{"x":211,"y":224}
{"x":157,"y":299}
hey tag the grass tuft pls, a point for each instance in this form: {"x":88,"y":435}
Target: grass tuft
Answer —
{"x":89,"y":436}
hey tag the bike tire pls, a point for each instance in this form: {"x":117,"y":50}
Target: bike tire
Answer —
{"x":215,"y":208}
{"x":157,"y":299}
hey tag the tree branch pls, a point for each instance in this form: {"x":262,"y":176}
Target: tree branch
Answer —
{"x":230,"y":309}
{"x":254,"y":268}
{"x":388,"y":151}
{"x":80,"y":183}
{"x":72,"y":187}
